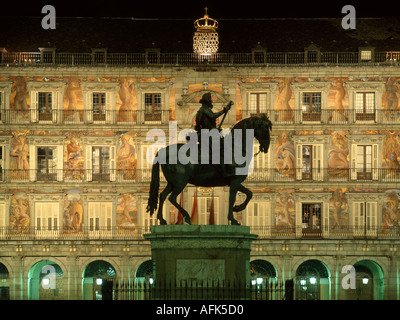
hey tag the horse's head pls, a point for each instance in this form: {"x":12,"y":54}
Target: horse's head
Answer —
{"x":262,"y":129}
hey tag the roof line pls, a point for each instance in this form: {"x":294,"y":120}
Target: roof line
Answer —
{"x":192,"y":19}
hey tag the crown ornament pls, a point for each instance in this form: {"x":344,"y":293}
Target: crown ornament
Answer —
{"x":205,"y":39}
{"x":206,"y":24}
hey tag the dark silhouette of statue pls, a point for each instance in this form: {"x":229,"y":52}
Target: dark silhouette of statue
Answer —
{"x":205,"y":117}
{"x":179,"y":174}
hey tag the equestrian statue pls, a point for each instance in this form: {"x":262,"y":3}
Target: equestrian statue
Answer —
{"x":235,"y":146}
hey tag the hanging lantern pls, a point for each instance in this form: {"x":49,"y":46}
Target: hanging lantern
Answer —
{"x":205,"y":39}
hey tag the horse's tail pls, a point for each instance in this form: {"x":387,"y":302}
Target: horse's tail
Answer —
{"x":154,"y":188}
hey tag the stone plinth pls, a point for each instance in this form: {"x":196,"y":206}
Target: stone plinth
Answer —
{"x":202,"y":257}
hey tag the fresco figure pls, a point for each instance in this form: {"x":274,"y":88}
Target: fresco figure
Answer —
{"x":73,"y":215}
{"x":73,"y":107}
{"x":284,"y":156}
{"x":19,"y":213}
{"x":338,"y":155}
{"x":20,"y":99}
{"x":338,"y":113}
{"x":282,"y":102}
{"x":127,"y":96}
{"x":126,"y":159}
{"x":20,"y":152}
{"x":391,"y":210}
{"x":392,"y":92}
{"x":126,"y":211}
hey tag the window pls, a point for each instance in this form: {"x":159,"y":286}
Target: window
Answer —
{"x":152,"y":105}
{"x":364,"y":162}
{"x":366,"y":54}
{"x":365,"y":106}
{"x":205,"y":205}
{"x":312,"y":214}
{"x":365,"y":100}
{"x":99,"y":106}
{"x":258,"y":215}
{"x":311,"y":100}
{"x":152,"y":56}
{"x":99,"y":218}
{"x":100,"y":163}
{"x":45,"y":158}
{"x":309,"y":162}
{"x":149,"y":221}
{"x":152,"y":101}
{"x":364,"y":159}
{"x":47,"y":218}
{"x":99,"y":55}
{"x":311,"y":218}
{"x":258,"y":97}
{"x":45,"y":106}
{"x":257,"y":103}
{"x":365,"y":218}
{"x":365,"y":212}
{"x":47,"y":55}
{"x":311,"y":106}
{"x":45,"y":100}
{"x":260,"y":167}
{"x":46,"y":163}
{"x":5,"y":92}
{"x":5,"y":142}
{"x":99,"y":101}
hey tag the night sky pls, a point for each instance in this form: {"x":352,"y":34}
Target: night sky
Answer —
{"x":192,"y":9}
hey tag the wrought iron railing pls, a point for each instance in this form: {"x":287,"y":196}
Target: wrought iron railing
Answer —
{"x":278,"y":232}
{"x":267,"y":175}
{"x":267,"y":58}
{"x":202,"y":290}
{"x":139,"y":117}
{"x":83,"y":117}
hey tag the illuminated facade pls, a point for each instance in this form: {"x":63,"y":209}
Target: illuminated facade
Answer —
{"x":74,"y":134}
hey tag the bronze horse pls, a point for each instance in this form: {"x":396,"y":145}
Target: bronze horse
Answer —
{"x":208,"y":175}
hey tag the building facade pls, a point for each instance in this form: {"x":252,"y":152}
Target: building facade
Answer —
{"x":76,"y":136}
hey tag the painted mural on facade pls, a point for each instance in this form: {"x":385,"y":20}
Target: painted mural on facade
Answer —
{"x":20,"y":217}
{"x":129,"y":142}
{"x":127,"y":157}
{"x":19,"y":156}
{"x":127,"y":212}
{"x":73,"y":157}
{"x":73,"y":213}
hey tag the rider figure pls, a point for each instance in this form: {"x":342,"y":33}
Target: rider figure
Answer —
{"x":207,"y":119}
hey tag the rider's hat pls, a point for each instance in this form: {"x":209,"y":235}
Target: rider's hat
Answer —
{"x":206,"y":99}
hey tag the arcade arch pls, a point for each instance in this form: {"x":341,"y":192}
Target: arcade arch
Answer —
{"x":98,"y":280}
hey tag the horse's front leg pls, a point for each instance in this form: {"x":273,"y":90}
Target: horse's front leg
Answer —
{"x":248,"y":194}
{"x":232,"y":198}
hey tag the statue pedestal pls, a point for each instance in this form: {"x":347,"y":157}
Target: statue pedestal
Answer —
{"x":200,"y":262}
